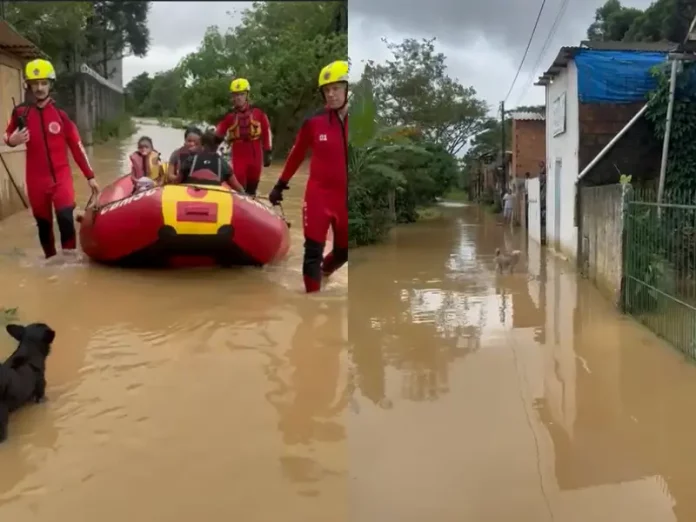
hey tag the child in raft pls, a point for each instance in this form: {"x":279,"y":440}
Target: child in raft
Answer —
{"x":146,"y":165}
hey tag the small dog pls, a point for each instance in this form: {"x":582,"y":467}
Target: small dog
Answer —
{"x":22,"y":375}
{"x":503,"y":261}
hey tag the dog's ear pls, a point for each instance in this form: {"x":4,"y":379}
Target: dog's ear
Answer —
{"x":16,"y":331}
{"x":48,"y":335}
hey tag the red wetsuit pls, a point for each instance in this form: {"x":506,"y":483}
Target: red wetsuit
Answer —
{"x":326,"y":195}
{"x":249,"y":133}
{"x":49,"y":181}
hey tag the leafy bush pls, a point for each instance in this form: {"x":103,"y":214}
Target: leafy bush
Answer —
{"x":392,"y":171}
{"x":681,"y":163}
{"x":121,"y":127}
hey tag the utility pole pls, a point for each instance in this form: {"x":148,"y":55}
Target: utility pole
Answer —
{"x":503,"y":156}
{"x":682,"y":54}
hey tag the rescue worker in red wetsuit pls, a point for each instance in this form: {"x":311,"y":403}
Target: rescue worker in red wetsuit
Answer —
{"x":249,"y":132}
{"x":48,"y":134}
{"x":326,"y":196}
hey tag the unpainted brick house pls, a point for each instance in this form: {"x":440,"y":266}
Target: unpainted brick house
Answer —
{"x":528,"y":143}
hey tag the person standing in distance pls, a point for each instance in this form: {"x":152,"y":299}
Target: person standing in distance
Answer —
{"x":48,"y":134}
{"x":326,"y":195}
{"x":248,"y":131}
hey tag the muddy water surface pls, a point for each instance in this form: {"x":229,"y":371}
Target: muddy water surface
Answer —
{"x":176,"y":396}
{"x":515,"y":398}
{"x":208,"y":394}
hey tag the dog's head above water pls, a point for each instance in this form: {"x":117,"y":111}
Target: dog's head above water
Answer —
{"x":34,"y":336}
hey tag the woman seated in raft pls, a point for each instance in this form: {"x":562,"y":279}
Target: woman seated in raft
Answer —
{"x":207,"y":167}
{"x":192,"y":143}
{"x":146,"y":166}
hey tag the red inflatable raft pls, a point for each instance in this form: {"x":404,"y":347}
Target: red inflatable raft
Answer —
{"x":181,"y":225}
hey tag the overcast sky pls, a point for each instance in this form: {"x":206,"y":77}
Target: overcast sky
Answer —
{"x":176,"y":29}
{"x":483,"y":40}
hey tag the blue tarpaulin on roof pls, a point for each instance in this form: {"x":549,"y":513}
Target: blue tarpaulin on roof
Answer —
{"x":616,"y":76}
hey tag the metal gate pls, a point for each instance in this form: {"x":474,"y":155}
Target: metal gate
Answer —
{"x":660,"y":265}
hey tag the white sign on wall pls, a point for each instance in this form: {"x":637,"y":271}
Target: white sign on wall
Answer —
{"x":558,"y":115}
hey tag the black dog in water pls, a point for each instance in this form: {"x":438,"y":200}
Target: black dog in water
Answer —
{"x":22,"y":375}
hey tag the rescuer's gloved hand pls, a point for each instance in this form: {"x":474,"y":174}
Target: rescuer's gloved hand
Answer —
{"x":276,"y":195}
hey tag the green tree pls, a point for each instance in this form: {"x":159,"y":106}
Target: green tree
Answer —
{"x":72,"y":33}
{"x":57,"y":28}
{"x":280,"y":47}
{"x":413,"y":88}
{"x":137,"y":91}
{"x":116,"y":29}
{"x":165,"y":92}
{"x":663,"y":20}
{"x":612,"y":21}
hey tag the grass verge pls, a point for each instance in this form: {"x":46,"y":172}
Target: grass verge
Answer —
{"x":118,"y":128}
{"x":429,"y":213}
{"x":456,"y":194}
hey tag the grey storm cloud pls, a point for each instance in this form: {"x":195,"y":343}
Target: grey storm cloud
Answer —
{"x":182,"y":24}
{"x":505,"y":24}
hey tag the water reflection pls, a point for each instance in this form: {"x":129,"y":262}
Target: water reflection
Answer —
{"x":515,"y":397}
{"x":311,"y":391}
{"x":422,"y":313}
{"x":309,"y":402}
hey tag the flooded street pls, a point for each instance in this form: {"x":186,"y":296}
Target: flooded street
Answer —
{"x":176,"y":395}
{"x":465,"y":395}
{"x":515,"y":398}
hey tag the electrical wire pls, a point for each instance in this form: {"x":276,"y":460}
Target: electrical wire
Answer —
{"x":549,"y":38}
{"x":529,"y":43}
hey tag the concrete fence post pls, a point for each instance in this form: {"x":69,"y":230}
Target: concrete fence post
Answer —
{"x":626,"y":197}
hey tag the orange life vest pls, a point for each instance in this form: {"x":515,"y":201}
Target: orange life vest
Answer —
{"x":148,"y":166}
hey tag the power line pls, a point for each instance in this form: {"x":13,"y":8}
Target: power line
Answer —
{"x":531,"y":37}
{"x":549,"y":38}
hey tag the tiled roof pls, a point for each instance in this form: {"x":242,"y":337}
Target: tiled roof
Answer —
{"x":14,"y":43}
{"x":528,"y":116}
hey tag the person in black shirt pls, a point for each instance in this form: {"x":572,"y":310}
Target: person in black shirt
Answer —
{"x":207,"y":167}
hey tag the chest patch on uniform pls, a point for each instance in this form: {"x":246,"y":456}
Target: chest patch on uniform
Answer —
{"x":54,"y":127}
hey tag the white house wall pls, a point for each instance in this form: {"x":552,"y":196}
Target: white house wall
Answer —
{"x":534,"y":209}
{"x":564,"y":147}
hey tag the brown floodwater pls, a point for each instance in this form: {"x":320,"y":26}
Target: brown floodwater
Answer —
{"x":515,"y":398}
{"x":462,"y":396}
{"x":176,"y":395}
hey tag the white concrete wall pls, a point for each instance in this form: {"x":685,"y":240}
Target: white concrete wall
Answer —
{"x":564,"y":147}
{"x":534,"y":209}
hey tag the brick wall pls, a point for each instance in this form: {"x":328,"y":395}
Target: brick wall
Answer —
{"x":637,"y":153}
{"x":528,"y":147}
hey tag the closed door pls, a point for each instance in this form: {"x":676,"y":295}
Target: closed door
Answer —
{"x":557,"y":203}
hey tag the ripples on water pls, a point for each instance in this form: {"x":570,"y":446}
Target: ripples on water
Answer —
{"x":158,"y":385}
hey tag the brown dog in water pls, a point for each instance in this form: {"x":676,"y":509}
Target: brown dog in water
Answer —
{"x":503,"y":261}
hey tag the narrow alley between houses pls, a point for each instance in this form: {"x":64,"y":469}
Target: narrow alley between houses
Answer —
{"x":522,"y":397}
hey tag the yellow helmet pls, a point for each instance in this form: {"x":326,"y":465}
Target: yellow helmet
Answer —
{"x":39,"y":70}
{"x":240,"y":85}
{"x":334,"y":72}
